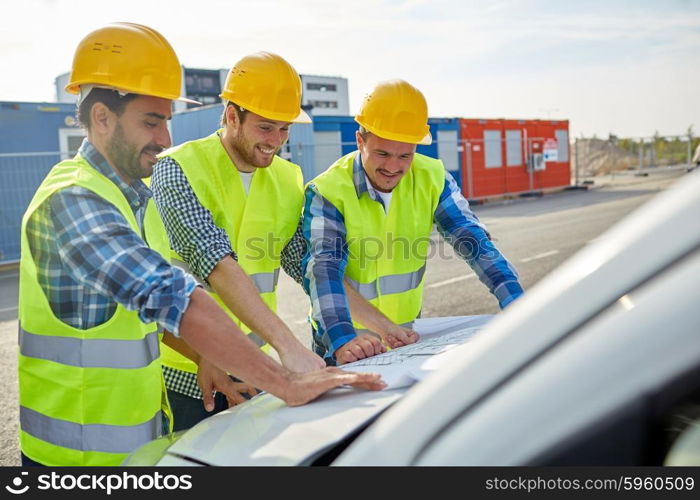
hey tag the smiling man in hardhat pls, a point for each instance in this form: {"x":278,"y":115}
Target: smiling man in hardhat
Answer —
{"x":94,"y":284}
{"x":230,"y":206}
{"x":368,"y":220}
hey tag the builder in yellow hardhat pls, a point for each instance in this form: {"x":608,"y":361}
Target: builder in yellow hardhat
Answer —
{"x":230,"y":206}
{"x":94,"y":284}
{"x":368,"y":220}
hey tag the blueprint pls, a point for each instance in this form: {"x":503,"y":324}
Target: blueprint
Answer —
{"x":265,"y":431}
{"x":407,"y":365}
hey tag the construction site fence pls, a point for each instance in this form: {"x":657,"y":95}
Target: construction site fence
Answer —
{"x":592,"y":156}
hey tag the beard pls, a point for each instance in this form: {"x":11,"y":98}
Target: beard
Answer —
{"x":126,"y":157}
{"x":246,"y":150}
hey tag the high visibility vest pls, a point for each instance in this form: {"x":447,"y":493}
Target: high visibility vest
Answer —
{"x":258,"y":224}
{"x":387,"y":251}
{"x":87,"y":397}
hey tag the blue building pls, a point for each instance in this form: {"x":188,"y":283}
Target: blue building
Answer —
{"x":195,"y":123}
{"x":33,"y":137}
{"x":445,"y":146}
{"x":334,"y":136}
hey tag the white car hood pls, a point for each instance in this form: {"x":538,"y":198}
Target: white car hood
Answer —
{"x":265,"y":431}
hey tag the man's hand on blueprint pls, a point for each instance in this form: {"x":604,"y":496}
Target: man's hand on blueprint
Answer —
{"x":398,"y":336}
{"x":361,"y":347}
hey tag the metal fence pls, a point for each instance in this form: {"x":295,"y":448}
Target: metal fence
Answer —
{"x":20,"y":175}
{"x":594,"y":156}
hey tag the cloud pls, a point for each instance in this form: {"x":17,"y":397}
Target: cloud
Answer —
{"x":499,"y":58}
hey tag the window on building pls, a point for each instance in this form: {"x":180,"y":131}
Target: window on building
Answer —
{"x":69,"y":141}
{"x":562,"y":137}
{"x":492,"y":148}
{"x":447,"y":149}
{"x":514,"y":157}
{"x":324,"y":104}
{"x":323,"y":87}
{"x":202,"y":85}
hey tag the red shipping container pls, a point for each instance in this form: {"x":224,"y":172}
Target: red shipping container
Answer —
{"x":496,"y":154}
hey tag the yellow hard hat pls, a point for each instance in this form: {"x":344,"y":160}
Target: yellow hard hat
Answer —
{"x":397,"y":111}
{"x":128,"y":57}
{"x":266,"y":85}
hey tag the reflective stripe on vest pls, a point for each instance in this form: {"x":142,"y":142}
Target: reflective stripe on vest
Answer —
{"x":90,"y":353}
{"x":395,"y":283}
{"x":108,"y":375}
{"x":257,"y":339}
{"x":264,"y":282}
{"x":89,"y":437}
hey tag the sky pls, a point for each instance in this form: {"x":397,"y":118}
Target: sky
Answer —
{"x":627,"y":67}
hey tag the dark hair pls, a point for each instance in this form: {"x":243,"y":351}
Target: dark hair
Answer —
{"x":241,"y":112}
{"x":364,"y":133}
{"x":110,"y":98}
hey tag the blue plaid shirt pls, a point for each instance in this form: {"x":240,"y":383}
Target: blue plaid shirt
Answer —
{"x":324,"y":264}
{"x":89,"y":259}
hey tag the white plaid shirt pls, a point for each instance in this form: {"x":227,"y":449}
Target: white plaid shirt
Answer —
{"x":201,"y":243}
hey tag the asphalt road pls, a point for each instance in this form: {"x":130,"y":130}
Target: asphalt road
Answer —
{"x":535,"y":234}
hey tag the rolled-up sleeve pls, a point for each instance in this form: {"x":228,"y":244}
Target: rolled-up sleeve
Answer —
{"x":324,"y":267}
{"x":191,"y":228}
{"x":462,"y":229}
